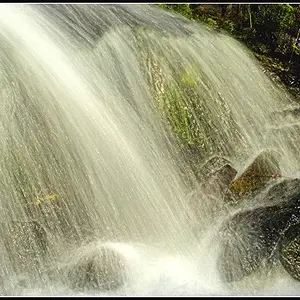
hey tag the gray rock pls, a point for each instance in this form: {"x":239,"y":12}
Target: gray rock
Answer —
{"x":206,"y":201}
{"x":283,"y":190}
{"x":216,"y":174}
{"x":251,"y":239}
{"x":97,"y":268}
{"x":290,"y":250}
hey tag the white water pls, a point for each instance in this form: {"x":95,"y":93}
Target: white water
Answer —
{"x":78,"y":120}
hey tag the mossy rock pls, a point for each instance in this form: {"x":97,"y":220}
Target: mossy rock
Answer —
{"x":186,"y":101}
{"x":257,"y":175}
{"x":100,"y":268}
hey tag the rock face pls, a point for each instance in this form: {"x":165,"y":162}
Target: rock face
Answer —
{"x":290,"y":249}
{"x":253,"y":238}
{"x":283,"y":190}
{"x":217,"y":173}
{"x":97,"y":268}
{"x":256,"y":176}
{"x":206,"y":201}
{"x":26,"y":244}
{"x":286,"y":115}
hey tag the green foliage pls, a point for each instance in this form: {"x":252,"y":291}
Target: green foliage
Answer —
{"x":228,"y":26}
{"x":271,"y":30}
{"x":211,"y":22}
{"x":183,"y":9}
{"x":275,"y":17}
{"x":296,"y":49}
{"x":272,"y":23}
{"x":263,"y":48}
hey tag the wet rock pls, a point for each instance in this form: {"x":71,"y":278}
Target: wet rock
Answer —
{"x":25,"y":243}
{"x":290,"y":249}
{"x":257,"y":175}
{"x":219,"y":181}
{"x":214,"y":165}
{"x":287,"y":133}
{"x":216,"y":175}
{"x":69,"y":19}
{"x":259,"y":236}
{"x":286,"y":115}
{"x":282,"y":191}
{"x":97,"y":267}
{"x":24,"y":249}
{"x":206,"y":200}
{"x":54,"y":210}
{"x":250,"y":240}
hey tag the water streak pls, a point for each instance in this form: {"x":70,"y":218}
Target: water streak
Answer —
{"x":91,"y":148}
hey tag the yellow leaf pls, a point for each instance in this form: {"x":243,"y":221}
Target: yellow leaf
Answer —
{"x":50,"y":197}
{"x":46,"y":197}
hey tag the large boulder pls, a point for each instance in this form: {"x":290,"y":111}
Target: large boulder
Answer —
{"x":259,"y":236}
{"x":96,"y":267}
{"x":250,"y":239}
{"x":256,"y":176}
{"x":290,"y":248}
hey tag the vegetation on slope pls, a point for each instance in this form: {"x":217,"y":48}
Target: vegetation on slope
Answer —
{"x":271,"y":31}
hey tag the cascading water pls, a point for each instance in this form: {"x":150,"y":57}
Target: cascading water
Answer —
{"x":98,"y":102}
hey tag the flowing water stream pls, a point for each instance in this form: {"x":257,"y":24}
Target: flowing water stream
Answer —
{"x":91,"y":148}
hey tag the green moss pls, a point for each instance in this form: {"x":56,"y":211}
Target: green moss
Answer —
{"x":193,"y":111}
{"x":180,"y":117}
{"x":189,"y":75}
